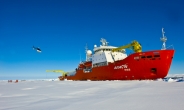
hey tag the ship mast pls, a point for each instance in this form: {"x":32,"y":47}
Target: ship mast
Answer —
{"x":86,"y":49}
{"x":104,"y":42}
{"x":163,"y":39}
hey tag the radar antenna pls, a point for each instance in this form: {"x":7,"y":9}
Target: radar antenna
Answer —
{"x":104,"y":42}
{"x":163,"y":39}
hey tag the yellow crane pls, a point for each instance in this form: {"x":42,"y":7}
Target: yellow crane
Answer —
{"x":58,"y":71}
{"x":134,"y":45}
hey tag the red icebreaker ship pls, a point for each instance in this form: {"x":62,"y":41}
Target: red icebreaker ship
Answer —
{"x":112,"y":63}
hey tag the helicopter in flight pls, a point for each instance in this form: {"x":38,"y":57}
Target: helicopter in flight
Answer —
{"x":37,"y":49}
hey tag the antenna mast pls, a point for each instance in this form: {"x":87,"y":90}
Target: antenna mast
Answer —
{"x":104,"y":42}
{"x":163,"y":39}
{"x":86,"y":49}
{"x":80,"y":56}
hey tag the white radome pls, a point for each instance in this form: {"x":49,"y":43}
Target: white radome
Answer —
{"x":89,"y":52}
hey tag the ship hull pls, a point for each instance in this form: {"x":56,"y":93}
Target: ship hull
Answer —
{"x":137,"y":66}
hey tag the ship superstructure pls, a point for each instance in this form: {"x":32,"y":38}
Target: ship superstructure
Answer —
{"x":104,"y":55}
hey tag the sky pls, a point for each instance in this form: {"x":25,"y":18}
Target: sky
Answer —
{"x":91,"y":95}
{"x":62,"y":28}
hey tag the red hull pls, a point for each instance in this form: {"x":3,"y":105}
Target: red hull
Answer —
{"x":137,"y":66}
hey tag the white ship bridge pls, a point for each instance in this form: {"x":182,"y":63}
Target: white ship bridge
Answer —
{"x":103,"y":54}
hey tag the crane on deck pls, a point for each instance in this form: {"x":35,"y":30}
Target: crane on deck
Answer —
{"x":64,"y":74}
{"x":134,"y":45}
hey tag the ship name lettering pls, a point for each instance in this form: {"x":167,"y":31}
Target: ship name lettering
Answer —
{"x":121,"y":66}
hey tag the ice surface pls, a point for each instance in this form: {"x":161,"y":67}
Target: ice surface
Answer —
{"x":91,"y":95}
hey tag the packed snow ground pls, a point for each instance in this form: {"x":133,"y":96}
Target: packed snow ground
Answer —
{"x":92,"y":95}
